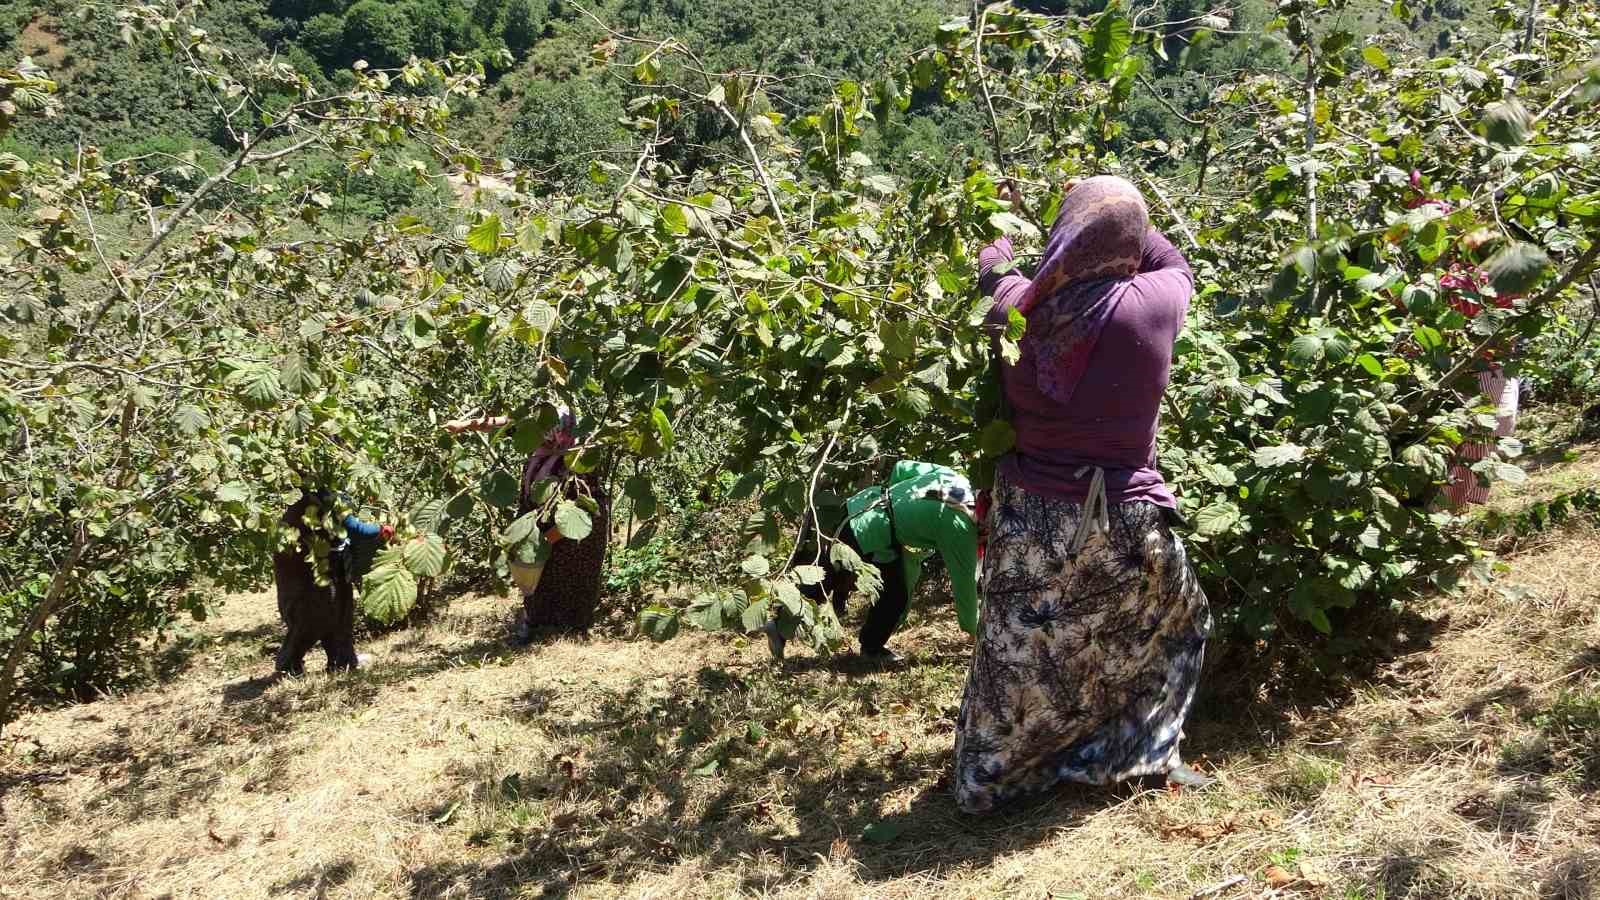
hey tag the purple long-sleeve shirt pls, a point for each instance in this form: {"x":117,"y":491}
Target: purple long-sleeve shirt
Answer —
{"x":1111,"y":420}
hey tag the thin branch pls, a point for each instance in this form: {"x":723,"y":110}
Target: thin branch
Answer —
{"x":1594,"y":302}
{"x":1183,"y":226}
{"x":41,"y":614}
{"x":1161,"y":99}
{"x":811,"y":488}
{"x":981,"y":16}
{"x":246,"y":157}
{"x":1218,"y":888}
{"x":755,"y":158}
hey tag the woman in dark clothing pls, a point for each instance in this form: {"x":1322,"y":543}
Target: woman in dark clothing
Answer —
{"x":565,"y":592}
{"x":1093,"y":625}
{"x":322,"y":611}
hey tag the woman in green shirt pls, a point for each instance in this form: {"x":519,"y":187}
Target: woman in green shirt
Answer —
{"x":923,"y":506}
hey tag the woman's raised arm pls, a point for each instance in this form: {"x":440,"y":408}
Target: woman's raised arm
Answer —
{"x":1006,"y":288}
{"x":1160,"y":256}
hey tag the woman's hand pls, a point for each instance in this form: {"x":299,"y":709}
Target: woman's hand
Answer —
{"x":386,"y":533}
{"x":1009,"y":193}
{"x":487,"y":423}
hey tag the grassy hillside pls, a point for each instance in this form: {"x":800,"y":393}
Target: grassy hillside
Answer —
{"x":1462,"y":765}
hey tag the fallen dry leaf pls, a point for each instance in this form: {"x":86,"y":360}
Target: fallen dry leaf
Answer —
{"x":1278,"y":878}
{"x":1202,"y":832}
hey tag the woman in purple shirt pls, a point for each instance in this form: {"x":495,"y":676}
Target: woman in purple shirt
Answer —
{"x":1093,"y":626}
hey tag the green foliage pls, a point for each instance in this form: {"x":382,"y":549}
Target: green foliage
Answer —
{"x":563,"y":128}
{"x":382,"y":33}
{"x":148,"y":460}
{"x":322,"y":36}
{"x":522,"y":25}
{"x":630,"y":572}
{"x":778,"y":308}
{"x":1543,"y":514}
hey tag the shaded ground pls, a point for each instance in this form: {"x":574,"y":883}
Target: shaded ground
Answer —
{"x":453,"y":767}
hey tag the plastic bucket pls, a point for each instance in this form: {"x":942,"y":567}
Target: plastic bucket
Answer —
{"x":526,"y":576}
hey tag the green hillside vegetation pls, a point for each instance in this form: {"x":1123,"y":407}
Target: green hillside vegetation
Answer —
{"x":555,"y":107}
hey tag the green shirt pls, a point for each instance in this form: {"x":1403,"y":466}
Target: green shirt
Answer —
{"x":923,"y":500}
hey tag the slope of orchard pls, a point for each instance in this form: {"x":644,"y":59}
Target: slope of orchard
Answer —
{"x":1461,"y":764}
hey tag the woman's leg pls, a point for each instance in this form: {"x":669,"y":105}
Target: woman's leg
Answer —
{"x":297,"y":591}
{"x":339,"y":641}
{"x":893,"y":601}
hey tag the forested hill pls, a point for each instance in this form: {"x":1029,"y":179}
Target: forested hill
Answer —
{"x":556,"y":105}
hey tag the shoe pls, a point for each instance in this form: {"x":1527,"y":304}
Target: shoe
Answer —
{"x":521,"y":635}
{"x":775,"y":639}
{"x":1185,"y":777}
{"x":882,"y":655}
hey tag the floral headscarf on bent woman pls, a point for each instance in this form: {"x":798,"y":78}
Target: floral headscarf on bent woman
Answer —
{"x":1094,"y":250}
{"x":547,"y":461}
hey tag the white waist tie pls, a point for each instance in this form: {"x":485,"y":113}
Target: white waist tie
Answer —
{"x":1096,"y":512}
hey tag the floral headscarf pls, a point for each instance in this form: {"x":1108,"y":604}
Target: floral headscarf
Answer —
{"x":546,"y":461}
{"x":1095,"y":247}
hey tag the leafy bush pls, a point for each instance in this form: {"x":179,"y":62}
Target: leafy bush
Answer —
{"x":382,"y":33}
{"x":323,"y":37}
{"x":631,"y":572}
{"x":562,"y":128}
{"x":522,"y":24}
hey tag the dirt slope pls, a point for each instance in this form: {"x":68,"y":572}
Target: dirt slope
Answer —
{"x":1467,"y":766}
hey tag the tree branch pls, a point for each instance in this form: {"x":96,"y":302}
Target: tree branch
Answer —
{"x":1183,"y":226}
{"x":980,"y":14}
{"x":810,"y":513}
{"x":246,"y":157}
{"x":41,"y":614}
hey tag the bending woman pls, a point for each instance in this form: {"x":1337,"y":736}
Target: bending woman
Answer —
{"x":1093,"y":626}
{"x":923,"y":506}
{"x":322,"y":611}
{"x":566,"y":593}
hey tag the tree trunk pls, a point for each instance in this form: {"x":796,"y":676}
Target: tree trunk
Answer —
{"x":36,"y":621}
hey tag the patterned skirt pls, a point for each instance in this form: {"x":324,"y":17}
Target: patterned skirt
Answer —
{"x":567,"y":593}
{"x":1086,"y":663}
{"x":1463,"y":487}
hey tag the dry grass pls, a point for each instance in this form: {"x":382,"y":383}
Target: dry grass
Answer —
{"x":1553,"y":472}
{"x":454,"y":768}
